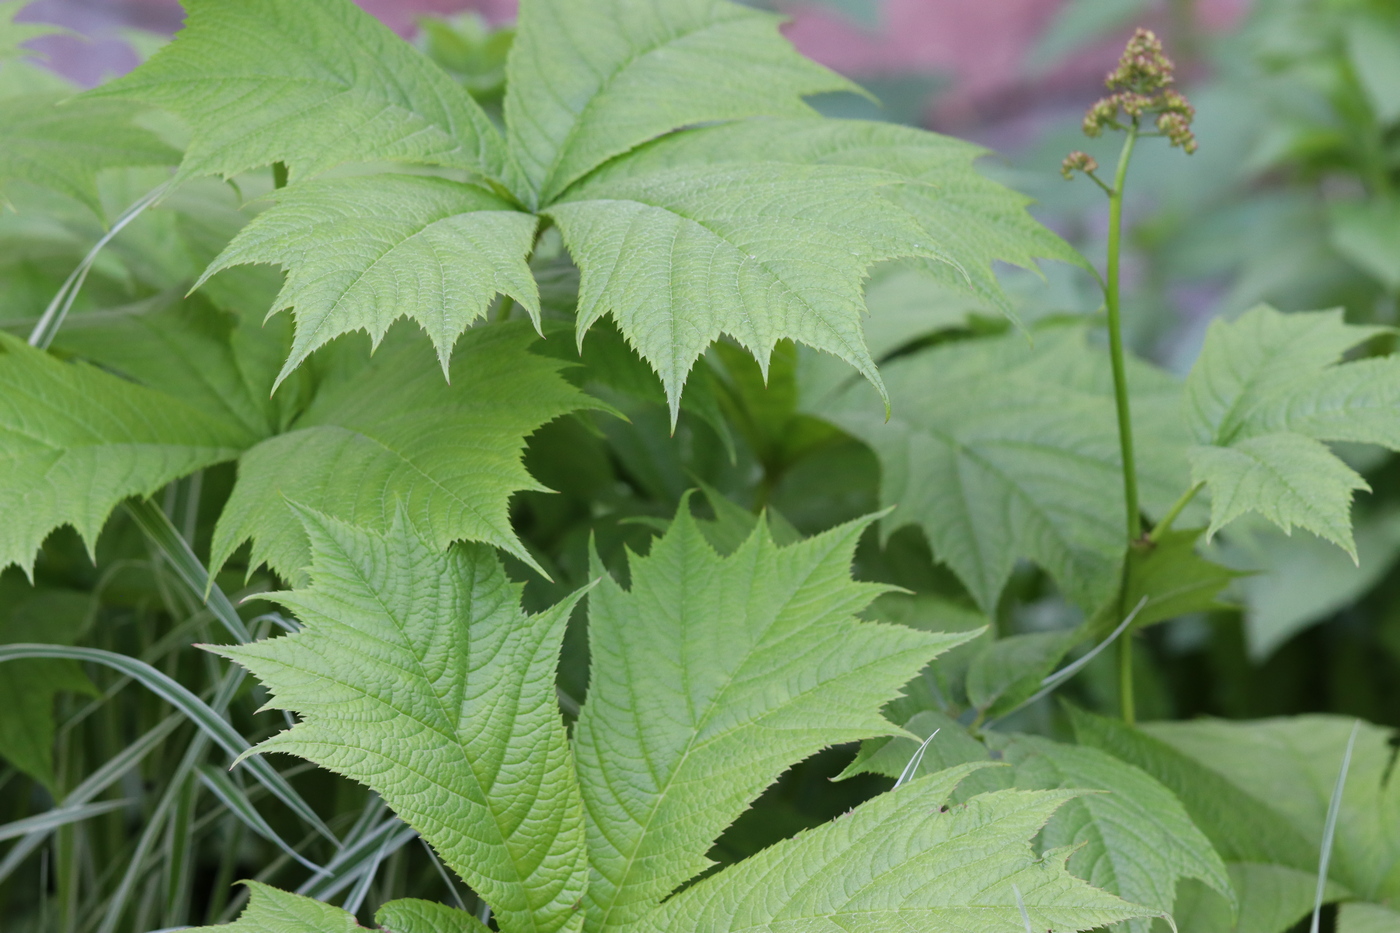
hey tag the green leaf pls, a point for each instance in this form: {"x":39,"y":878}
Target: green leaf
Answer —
{"x":417,"y":674}
{"x":1302,"y":580}
{"x":1290,"y":479}
{"x":28,"y":688}
{"x":62,"y":144}
{"x":1367,"y":234}
{"x":1241,"y":827}
{"x":588,"y":80}
{"x":710,"y":676}
{"x":311,"y":84}
{"x":1367,"y":918}
{"x":362,"y":252}
{"x":1291,"y":765}
{"x":971,"y":220}
{"x":1168,"y":579}
{"x":1272,"y":899}
{"x":75,"y":441}
{"x":759,"y":251}
{"x":272,"y":911}
{"x":1373,"y":46}
{"x":904,"y":861}
{"x":1135,"y":841}
{"x":192,"y":351}
{"x":1266,"y":390}
{"x":409,"y":915}
{"x":1000,"y":449}
{"x":1011,"y":669}
{"x":950,"y":747}
{"x":391,"y":434}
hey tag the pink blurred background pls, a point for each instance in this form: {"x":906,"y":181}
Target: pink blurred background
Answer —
{"x":976,"y":50}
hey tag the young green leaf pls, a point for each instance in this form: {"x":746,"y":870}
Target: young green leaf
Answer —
{"x":972,"y":220}
{"x":391,"y":434}
{"x":1010,"y":669}
{"x":906,"y":861}
{"x":61,"y":145}
{"x":711,"y":675}
{"x":759,"y":251}
{"x":75,"y":441}
{"x":1136,"y":840}
{"x":362,"y":252}
{"x":311,"y":84}
{"x":589,"y":79}
{"x":417,"y":674}
{"x":1001,"y":449}
{"x":1267,"y":389}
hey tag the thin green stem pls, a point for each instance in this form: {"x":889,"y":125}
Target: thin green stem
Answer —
{"x":1165,"y":525}
{"x":1112,"y":302}
{"x":1127,"y":701}
{"x":1115,"y":339}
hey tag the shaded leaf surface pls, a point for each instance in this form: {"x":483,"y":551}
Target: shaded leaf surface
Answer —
{"x":75,"y":441}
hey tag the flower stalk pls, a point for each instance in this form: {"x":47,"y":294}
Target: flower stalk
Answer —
{"x":1141,"y":96}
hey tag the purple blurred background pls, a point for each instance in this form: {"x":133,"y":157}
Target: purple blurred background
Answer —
{"x":975,"y":52}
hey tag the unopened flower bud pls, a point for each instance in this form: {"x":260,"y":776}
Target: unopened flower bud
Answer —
{"x":1078,"y":162}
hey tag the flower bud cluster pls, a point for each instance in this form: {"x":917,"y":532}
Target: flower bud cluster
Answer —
{"x":1078,"y":162}
{"x":1141,"y":86}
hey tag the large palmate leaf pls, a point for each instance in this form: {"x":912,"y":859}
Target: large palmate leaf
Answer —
{"x":590,"y":79}
{"x":362,"y":252}
{"x":1135,"y":840}
{"x":417,"y":674}
{"x":759,"y":251}
{"x":309,"y":83}
{"x":1263,"y":395}
{"x":1290,"y":765}
{"x":971,"y":220}
{"x":710,"y":676}
{"x":1003,"y":449}
{"x":62,"y":146}
{"x":75,"y":441}
{"x":905,"y":861}
{"x":389,"y":434}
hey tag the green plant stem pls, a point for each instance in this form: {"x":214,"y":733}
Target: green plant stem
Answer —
{"x":1127,"y":701}
{"x":1115,"y":338}
{"x":1165,"y":525}
{"x":1112,"y":303}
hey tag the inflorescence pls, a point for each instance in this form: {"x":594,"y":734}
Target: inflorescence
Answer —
{"x":1142,"y":87}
